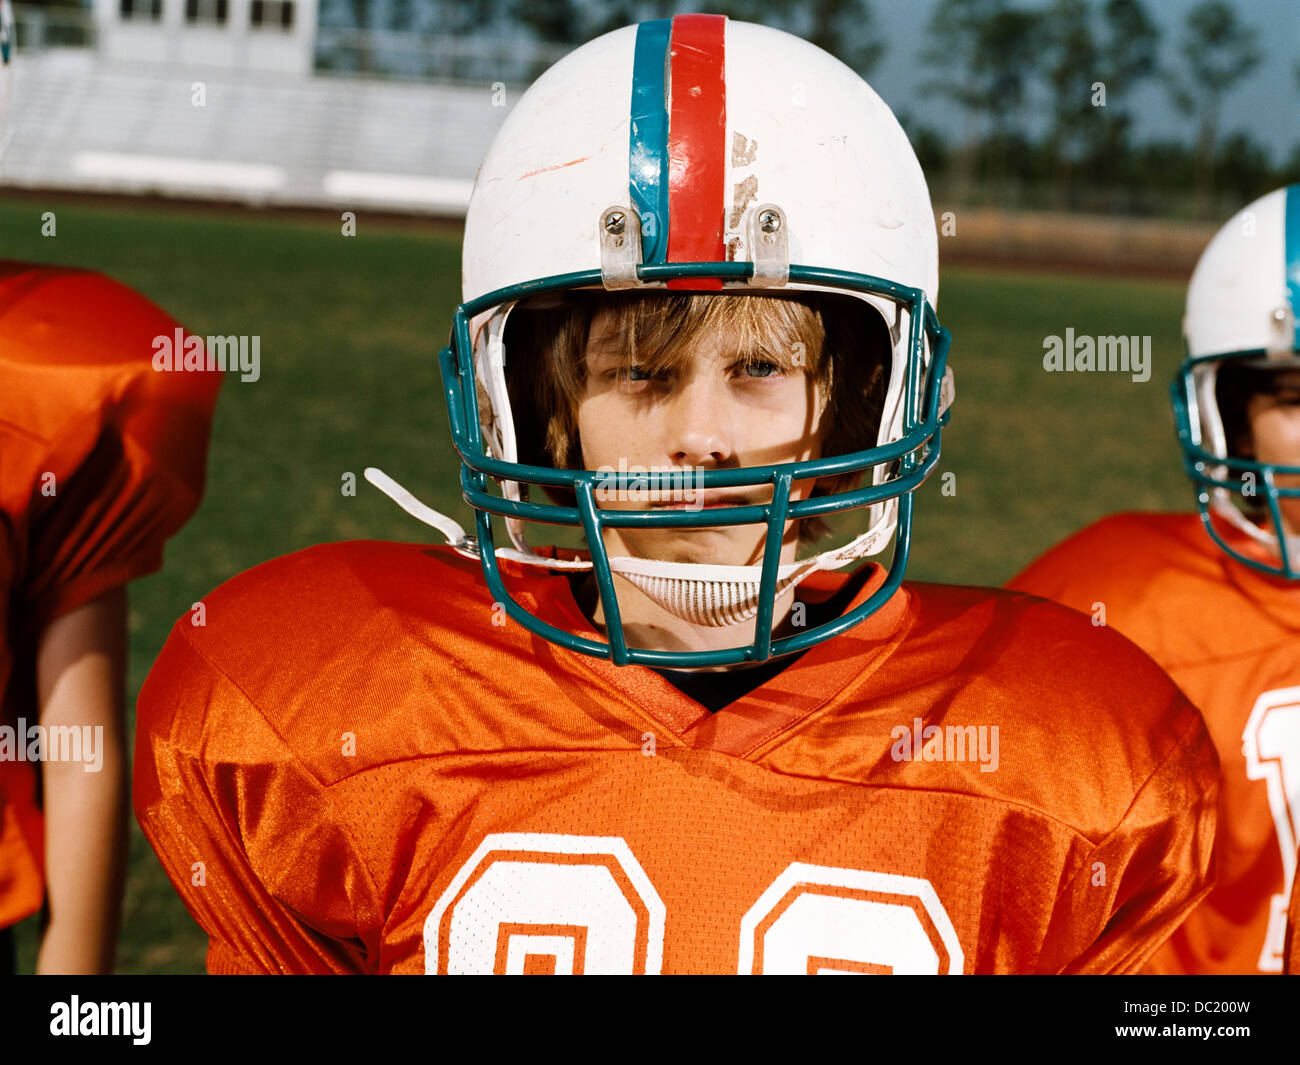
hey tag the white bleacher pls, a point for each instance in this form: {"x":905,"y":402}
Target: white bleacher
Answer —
{"x":91,"y":119}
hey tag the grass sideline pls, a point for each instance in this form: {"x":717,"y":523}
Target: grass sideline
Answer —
{"x":350,"y":327}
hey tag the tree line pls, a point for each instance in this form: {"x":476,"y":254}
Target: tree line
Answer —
{"x":1047,"y":90}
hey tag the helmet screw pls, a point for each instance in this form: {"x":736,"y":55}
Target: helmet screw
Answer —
{"x":769,"y":221}
{"x":1279,"y":315}
{"x":615,"y":222}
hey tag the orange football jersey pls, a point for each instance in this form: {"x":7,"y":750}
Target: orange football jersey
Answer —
{"x":1229,"y":636}
{"x":358,"y":763}
{"x":101,"y":459}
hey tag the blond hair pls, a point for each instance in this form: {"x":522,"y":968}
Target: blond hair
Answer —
{"x":839,"y":341}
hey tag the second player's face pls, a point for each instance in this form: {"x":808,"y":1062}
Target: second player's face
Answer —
{"x":719,"y":412}
{"x":1275,"y":425}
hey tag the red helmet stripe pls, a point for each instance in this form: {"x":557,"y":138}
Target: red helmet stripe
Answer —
{"x":697,"y":129}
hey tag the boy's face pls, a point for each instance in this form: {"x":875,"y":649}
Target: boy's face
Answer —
{"x":1275,"y":428}
{"x":718,"y":412}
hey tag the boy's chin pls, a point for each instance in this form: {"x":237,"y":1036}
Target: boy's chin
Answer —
{"x":705,"y":547}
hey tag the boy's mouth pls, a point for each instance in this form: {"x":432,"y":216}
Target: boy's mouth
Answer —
{"x":705,"y":500}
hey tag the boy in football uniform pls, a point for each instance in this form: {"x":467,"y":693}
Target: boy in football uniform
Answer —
{"x":101,"y":460}
{"x":1214,"y":596}
{"x":700,"y":269}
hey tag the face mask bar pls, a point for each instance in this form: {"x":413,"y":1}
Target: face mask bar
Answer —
{"x":913,"y":456}
{"x":1224,"y":486}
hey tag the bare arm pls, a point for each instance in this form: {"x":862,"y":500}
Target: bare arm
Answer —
{"x":81,"y":668}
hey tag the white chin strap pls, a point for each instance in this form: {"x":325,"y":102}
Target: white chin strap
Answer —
{"x":714,"y":596}
{"x":1223,"y":506}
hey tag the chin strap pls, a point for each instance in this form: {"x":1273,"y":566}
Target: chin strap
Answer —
{"x":1223,"y":506}
{"x":709,"y":595}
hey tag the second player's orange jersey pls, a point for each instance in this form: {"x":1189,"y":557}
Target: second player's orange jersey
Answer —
{"x":1230,"y":637}
{"x":357,"y":762}
{"x":102,"y":458}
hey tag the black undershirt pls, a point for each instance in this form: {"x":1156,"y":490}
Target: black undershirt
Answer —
{"x":716,"y":689}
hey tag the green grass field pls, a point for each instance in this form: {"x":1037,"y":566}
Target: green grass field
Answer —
{"x":350,"y":328}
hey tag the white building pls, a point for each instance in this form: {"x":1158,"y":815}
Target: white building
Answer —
{"x":277,"y":35}
{"x":219,"y":100}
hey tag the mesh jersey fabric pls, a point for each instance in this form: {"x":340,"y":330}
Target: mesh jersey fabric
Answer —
{"x":1229,"y":636}
{"x":351,"y":768}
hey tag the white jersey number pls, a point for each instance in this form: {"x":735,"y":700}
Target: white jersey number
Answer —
{"x":530,"y":902}
{"x":819,"y":920}
{"x":1271,"y":744}
{"x":527,"y":902}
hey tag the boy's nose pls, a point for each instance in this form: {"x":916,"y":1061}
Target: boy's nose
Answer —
{"x":695,"y":433}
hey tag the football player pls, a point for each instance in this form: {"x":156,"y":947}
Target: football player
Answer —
{"x":102,"y":460}
{"x":700,"y":267}
{"x":1214,"y":596}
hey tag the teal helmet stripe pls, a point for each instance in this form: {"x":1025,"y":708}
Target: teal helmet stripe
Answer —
{"x":648,"y":139}
{"x":1292,"y":245}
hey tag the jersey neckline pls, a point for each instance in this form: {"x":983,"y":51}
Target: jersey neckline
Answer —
{"x":747,"y":726}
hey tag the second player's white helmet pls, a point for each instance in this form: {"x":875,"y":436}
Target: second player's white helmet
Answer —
{"x":8,"y":46}
{"x":1243,"y":308}
{"x":699,"y":154}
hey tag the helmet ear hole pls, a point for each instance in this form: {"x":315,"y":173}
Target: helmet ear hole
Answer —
{"x":539,"y":340}
{"x":860,"y":349}
{"x":1234,"y":385}
{"x":858,"y":352}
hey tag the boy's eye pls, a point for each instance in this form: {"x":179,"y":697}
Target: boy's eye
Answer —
{"x":627,"y":374}
{"x":761,"y":369}
{"x":1282,"y":397}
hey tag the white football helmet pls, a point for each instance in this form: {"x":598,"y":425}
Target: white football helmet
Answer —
{"x":703,"y":154}
{"x":8,"y":47}
{"x":1243,"y":306}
